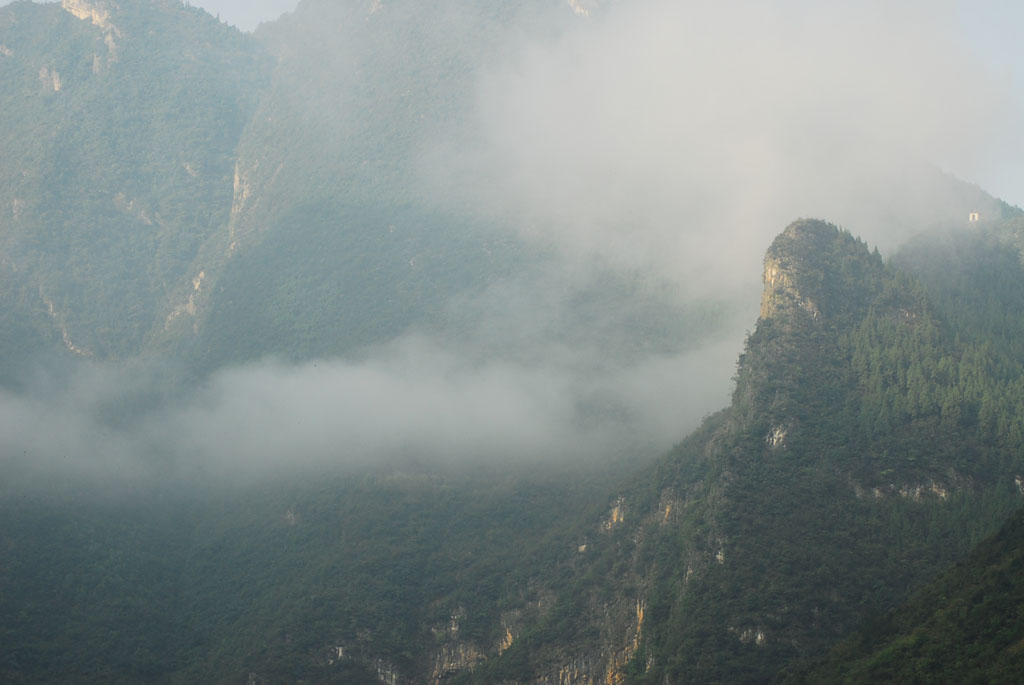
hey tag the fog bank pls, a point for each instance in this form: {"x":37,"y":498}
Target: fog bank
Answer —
{"x":681,"y":138}
{"x":410,"y":402}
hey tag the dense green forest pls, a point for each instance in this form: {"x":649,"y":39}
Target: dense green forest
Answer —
{"x":124,"y":162}
{"x":801,"y":511}
{"x":221,"y":197}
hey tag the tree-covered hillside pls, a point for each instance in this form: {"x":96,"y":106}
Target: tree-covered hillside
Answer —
{"x":340,"y":236}
{"x":314,"y":580}
{"x":119,"y":131}
{"x":175,"y":187}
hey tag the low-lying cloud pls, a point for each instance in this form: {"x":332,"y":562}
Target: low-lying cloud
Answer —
{"x":410,"y":402}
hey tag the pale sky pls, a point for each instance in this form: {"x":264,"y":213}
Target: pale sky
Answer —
{"x":992,"y":30}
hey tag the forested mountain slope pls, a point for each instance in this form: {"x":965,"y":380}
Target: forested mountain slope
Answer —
{"x":119,"y":150}
{"x":174,"y":186}
{"x":332,"y":579}
{"x":341,"y":236}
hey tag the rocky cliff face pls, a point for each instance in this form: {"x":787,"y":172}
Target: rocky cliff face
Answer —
{"x":96,"y":11}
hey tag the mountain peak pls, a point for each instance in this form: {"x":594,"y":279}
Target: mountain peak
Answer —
{"x":814,"y":269}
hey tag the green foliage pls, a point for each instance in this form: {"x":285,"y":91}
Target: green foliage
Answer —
{"x":854,"y":464}
{"x":333,"y":278}
{"x":195,"y":191}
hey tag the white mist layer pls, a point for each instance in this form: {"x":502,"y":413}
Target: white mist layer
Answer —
{"x":411,"y":401}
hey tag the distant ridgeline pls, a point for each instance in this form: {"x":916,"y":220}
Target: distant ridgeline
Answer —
{"x":870,"y":443}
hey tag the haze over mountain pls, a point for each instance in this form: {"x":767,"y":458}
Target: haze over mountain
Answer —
{"x":384,"y":313}
{"x":985,"y":30}
{"x":520,"y":204}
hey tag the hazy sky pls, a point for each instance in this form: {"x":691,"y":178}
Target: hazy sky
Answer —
{"x":991,"y":29}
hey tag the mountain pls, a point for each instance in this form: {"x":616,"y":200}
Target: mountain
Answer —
{"x":831,"y":487}
{"x":332,"y":579}
{"x":185,"y":200}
